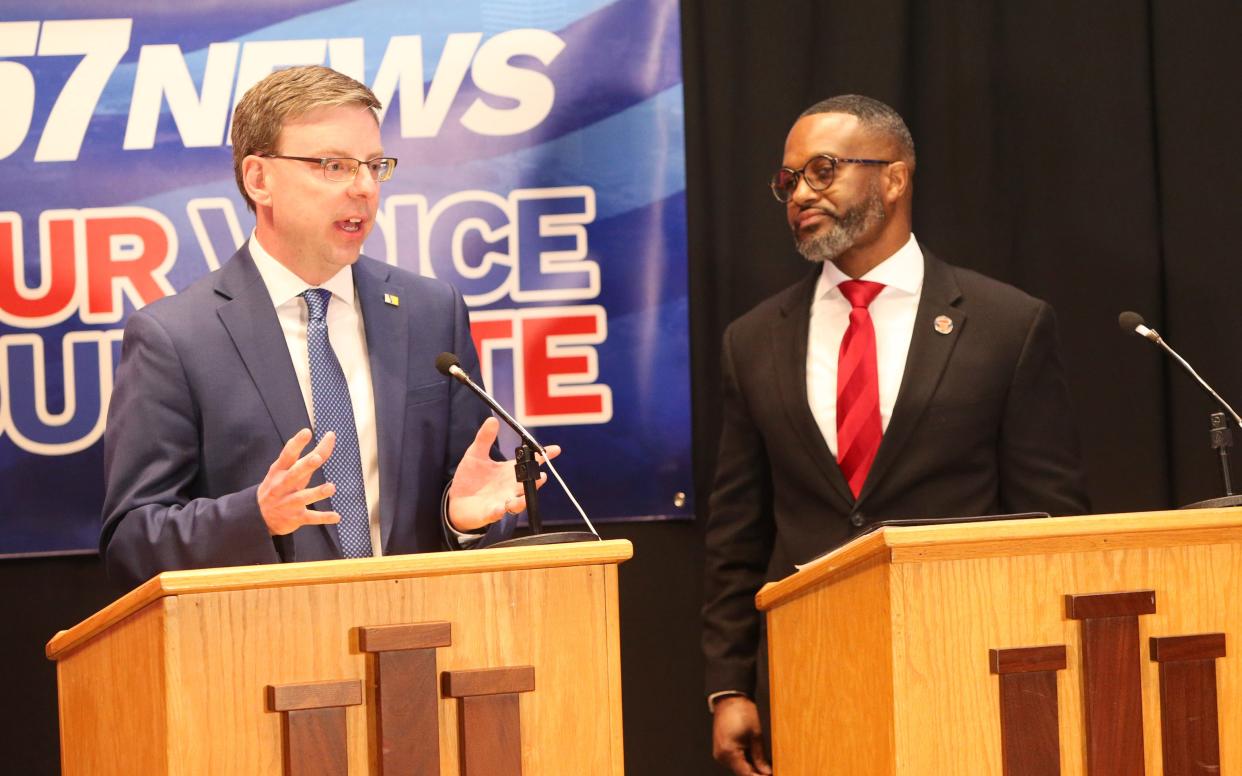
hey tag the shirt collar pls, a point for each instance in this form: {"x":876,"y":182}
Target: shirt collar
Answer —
{"x":903,"y":271}
{"x":283,"y":285}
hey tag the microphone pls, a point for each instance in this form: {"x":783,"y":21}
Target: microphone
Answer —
{"x":450,"y":366}
{"x":1132,"y":321}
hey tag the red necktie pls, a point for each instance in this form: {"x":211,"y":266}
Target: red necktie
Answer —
{"x":858,"y":387}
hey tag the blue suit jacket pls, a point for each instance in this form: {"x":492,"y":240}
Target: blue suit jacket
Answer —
{"x":206,"y":396}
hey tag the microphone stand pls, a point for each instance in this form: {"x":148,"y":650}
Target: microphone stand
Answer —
{"x":1221,"y":438}
{"x":526,"y":471}
{"x":1220,"y":435}
{"x":525,"y":468}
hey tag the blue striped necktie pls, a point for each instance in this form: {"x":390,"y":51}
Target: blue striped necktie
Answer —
{"x":335,"y":412}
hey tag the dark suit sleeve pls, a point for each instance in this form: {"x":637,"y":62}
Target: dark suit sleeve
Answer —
{"x":152,"y":521}
{"x":1040,"y":463}
{"x":739,"y":540}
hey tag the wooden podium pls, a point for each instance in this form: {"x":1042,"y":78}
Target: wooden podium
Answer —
{"x":482,"y":663}
{"x":1088,"y":645}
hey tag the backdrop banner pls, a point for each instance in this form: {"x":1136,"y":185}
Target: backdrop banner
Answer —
{"x":542,"y":172}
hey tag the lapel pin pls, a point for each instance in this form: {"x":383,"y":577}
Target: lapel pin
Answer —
{"x":943,"y":324}
{"x":392,"y":299}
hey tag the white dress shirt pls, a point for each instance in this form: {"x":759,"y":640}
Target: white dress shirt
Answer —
{"x":892,"y":313}
{"x":349,"y":342}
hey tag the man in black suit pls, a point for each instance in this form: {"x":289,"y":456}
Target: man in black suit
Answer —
{"x":923,"y":390}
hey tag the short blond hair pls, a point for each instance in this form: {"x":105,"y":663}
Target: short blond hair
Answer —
{"x":283,"y":95}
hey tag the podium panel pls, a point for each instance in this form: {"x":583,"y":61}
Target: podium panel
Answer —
{"x":933,"y":649}
{"x":174,"y":677}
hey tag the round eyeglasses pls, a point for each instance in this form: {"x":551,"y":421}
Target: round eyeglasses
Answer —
{"x":818,"y":174}
{"x":344,"y":168}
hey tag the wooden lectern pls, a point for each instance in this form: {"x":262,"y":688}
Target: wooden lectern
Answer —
{"x":482,"y":663}
{"x":1102,"y":645}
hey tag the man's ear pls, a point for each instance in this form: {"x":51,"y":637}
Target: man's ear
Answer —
{"x":896,"y":181}
{"x":254,"y":177}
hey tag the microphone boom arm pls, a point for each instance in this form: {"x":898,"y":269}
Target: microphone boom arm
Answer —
{"x":448,"y":365}
{"x":463,"y":378}
{"x":1191,"y":371}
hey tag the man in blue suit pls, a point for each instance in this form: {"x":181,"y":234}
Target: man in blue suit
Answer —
{"x":220,"y":386}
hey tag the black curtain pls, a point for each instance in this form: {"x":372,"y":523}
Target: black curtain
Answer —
{"x":1084,"y":150}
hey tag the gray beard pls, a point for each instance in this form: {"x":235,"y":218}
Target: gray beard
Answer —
{"x":849,"y":228}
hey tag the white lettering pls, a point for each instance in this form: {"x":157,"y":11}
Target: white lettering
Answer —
{"x":261,"y":57}
{"x":401,"y":72}
{"x":103,"y":42}
{"x":554,"y":263}
{"x":347,"y":55}
{"x":533,"y":91}
{"x":162,"y":74}
{"x":17,"y":39}
{"x":103,"y":342}
{"x":195,"y":208}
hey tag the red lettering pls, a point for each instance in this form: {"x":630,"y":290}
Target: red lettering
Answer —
{"x":546,"y":365}
{"x":483,"y":330}
{"x":125,"y":250}
{"x":51,"y":302}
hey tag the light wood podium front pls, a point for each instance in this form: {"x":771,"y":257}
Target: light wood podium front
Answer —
{"x":174,"y":677}
{"x":890,"y":654}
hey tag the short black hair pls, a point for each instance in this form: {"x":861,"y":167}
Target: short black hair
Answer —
{"x":872,"y":114}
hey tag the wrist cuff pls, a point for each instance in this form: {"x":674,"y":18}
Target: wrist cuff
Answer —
{"x":711,"y":699}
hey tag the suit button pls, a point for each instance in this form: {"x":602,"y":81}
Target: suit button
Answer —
{"x":857,"y":519}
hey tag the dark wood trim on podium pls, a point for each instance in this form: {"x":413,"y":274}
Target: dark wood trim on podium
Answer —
{"x":1030,"y":726}
{"x":1188,"y":710}
{"x":489,"y":722}
{"x":407,"y":700}
{"x":313,"y":723}
{"x":1112,"y":689}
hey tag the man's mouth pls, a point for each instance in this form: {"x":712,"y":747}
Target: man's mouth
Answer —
{"x":350,"y":225}
{"x":809,"y":218}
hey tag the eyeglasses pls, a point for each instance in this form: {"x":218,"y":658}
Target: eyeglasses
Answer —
{"x":818,"y":174}
{"x":341,"y":169}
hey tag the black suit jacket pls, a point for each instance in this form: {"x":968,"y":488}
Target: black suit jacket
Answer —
{"x":982,"y":425}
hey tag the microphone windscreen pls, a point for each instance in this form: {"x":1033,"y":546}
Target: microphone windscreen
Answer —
{"x":445,"y":362}
{"x":1129,"y":321}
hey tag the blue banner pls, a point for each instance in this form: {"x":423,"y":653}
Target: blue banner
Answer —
{"x":541,"y":149}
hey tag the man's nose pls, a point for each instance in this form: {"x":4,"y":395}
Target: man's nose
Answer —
{"x":364,"y":183}
{"x":803,"y":192}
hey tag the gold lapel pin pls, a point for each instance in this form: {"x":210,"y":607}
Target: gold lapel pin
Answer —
{"x":943,"y":324}
{"x":392,"y":299}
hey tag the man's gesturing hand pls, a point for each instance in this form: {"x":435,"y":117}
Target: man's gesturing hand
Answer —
{"x":737,"y":740}
{"x":283,"y":495}
{"x":483,"y":489}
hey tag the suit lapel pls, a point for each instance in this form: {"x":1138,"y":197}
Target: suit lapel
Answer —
{"x":789,"y":338}
{"x":387,"y":332}
{"x":250,"y":319}
{"x":928,"y":356}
